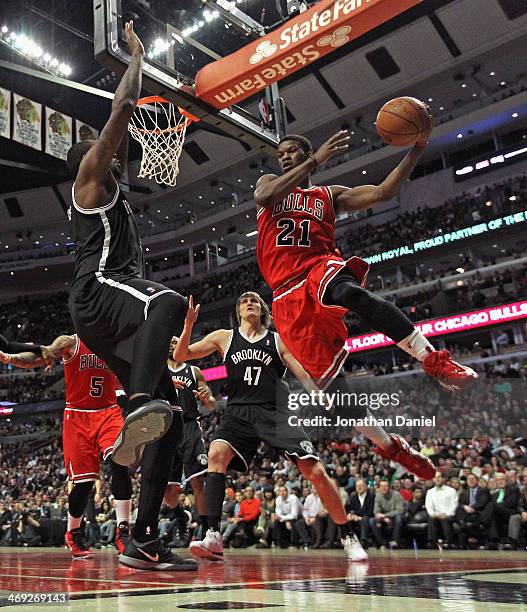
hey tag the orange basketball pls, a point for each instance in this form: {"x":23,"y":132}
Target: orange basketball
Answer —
{"x":401,"y":121}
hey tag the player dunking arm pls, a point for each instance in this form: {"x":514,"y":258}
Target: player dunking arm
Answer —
{"x":92,"y":422}
{"x":256,"y":360}
{"x":314,"y":287}
{"x":126,"y":320}
{"x":192,"y":456}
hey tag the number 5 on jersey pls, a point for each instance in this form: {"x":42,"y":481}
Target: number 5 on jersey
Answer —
{"x":249,"y":378}
{"x":96,"y":386}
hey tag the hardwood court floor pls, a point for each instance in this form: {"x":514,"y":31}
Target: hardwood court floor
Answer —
{"x":315,"y":581}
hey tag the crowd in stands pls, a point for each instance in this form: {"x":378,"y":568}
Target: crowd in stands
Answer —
{"x":477,"y":499}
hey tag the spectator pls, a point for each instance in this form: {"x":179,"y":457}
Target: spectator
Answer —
{"x":505,"y":501}
{"x":229,"y":505}
{"x":406,"y":490}
{"x":517,"y":524}
{"x":287,"y":512}
{"x":264,"y":528}
{"x":27,"y":528}
{"x":232,"y":522}
{"x":249,"y":514}
{"x":360,"y":509}
{"x":472,"y":502}
{"x":306,"y":524}
{"x":388,"y":513}
{"x":441,"y":504}
{"x":107,"y":523}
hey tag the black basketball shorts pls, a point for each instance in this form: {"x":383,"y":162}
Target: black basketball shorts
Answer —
{"x":191,"y":458}
{"x":244,"y":427}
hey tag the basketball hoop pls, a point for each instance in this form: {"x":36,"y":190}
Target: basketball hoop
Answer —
{"x":160,"y":127}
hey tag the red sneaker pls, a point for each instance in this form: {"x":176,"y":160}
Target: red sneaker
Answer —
{"x":122,"y":536}
{"x":77,"y":545}
{"x":448,"y":373}
{"x":408,"y":457}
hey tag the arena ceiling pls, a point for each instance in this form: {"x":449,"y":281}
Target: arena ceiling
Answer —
{"x":456,"y":54}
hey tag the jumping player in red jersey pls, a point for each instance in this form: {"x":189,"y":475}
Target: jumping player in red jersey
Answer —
{"x":314,"y":287}
{"x":92,"y":422}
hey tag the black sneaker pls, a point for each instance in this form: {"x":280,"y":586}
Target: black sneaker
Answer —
{"x":145,"y":425}
{"x":154,"y":555}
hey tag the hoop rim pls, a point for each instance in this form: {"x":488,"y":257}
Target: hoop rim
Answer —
{"x":160,"y":100}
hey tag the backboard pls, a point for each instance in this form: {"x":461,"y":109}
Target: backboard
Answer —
{"x":180,"y":37}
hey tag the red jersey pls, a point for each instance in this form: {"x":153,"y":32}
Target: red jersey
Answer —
{"x":294,"y":234}
{"x":90,"y":384}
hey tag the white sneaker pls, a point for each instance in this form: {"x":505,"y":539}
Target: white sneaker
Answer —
{"x":211,"y":547}
{"x":353,"y":549}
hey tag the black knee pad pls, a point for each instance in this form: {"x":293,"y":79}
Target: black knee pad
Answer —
{"x":121,"y":481}
{"x":78,"y":498}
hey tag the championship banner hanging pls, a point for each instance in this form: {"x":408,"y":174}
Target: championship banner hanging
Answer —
{"x":328,"y":25}
{"x":85,"y":131}
{"x":58,"y":133}
{"x":5,"y":113}
{"x":28,"y":122}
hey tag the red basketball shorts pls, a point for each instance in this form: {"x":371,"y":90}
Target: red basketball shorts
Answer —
{"x":86,"y":435}
{"x":313,"y":332}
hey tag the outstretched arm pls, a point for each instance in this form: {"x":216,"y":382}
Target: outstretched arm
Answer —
{"x":22,"y":360}
{"x":19,"y":347}
{"x":271,"y":189}
{"x":95,"y":166}
{"x":61,"y":347}
{"x":365,"y":196}
{"x":204,"y":394}
{"x":215,"y":341}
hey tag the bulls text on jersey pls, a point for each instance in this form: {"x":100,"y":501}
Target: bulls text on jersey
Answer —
{"x":300,"y":202}
{"x":91,"y":361}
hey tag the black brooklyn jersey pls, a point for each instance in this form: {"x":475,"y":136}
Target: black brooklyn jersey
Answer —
{"x":255,"y":370}
{"x":107,"y":241}
{"x":185,"y":374}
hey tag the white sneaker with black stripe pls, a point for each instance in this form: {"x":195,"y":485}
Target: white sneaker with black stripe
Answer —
{"x":211,"y":547}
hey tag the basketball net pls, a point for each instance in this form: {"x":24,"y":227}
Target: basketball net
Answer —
{"x":160,"y":127}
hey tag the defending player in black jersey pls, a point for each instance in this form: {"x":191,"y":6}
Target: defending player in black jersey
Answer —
{"x":256,"y":360}
{"x":192,"y":456}
{"x":124,"y":319}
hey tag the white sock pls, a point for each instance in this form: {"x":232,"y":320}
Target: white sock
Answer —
{"x":416,"y":345}
{"x":376,"y":434}
{"x":74,"y":523}
{"x":123,"y":508}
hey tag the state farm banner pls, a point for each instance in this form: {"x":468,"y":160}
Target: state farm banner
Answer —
{"x":59,"y":136}
{"x":5,"y":113}
{"x":326,"y":26}
{"x":28,"y":122}
{"x":85,"y":131}
{"x":446,"y":325}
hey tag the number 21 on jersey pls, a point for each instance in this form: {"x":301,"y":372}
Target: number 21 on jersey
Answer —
{"x":289,"y":237}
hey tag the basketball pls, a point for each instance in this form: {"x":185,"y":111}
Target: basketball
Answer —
{"x":401,"y":121}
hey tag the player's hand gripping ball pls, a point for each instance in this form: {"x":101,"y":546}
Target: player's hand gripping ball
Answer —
{"x":405,"y":121}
